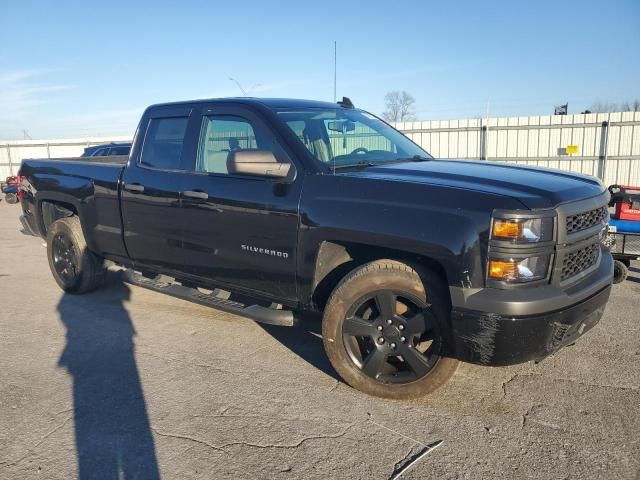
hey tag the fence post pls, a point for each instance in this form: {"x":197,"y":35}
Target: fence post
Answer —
{"x":604,"y":145}
{"x":483,"y":141}
{"x":10,"y":160}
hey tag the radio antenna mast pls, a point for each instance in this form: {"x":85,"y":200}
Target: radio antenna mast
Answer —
{"x":335,"y":69}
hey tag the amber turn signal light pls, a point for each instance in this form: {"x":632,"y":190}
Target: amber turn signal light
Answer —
{"x":502,"y":270}
{"x":507,"y":229}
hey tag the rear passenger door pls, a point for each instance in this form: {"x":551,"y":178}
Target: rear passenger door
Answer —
{"x":151,"y":188}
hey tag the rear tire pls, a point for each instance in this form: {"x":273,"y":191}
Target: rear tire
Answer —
{"x":620,"y":271}
{"x":74,"y":268}
{"x":383,"y":330}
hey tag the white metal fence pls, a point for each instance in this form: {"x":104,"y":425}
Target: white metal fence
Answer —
{"x":12,"y":152}
{"x":608,"y":144}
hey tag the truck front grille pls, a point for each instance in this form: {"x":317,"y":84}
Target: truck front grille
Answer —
{"x":584,"y":220}
{"x":575,"y":262}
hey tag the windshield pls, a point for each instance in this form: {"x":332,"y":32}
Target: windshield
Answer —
{"x":340,"y":137}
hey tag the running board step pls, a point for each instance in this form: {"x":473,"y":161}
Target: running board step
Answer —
{"x":258,"y":313}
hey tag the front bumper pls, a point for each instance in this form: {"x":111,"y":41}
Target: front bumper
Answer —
{"x":498,"y":336}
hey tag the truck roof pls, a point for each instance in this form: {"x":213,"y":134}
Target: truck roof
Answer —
{"x":268,"y":102}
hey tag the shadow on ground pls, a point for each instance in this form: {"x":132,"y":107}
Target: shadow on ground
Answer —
{"x":305,"y":340}
{"x":112,"y":432}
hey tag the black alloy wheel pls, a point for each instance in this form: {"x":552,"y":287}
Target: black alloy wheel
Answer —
{"x":392,"y":336}
{"x":65,"y":260}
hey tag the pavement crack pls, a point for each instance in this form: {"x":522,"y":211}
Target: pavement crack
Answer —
{"x":292,"y":445}
{"x":186,"y":362}
{"x":258,"y":350}
{"x":396,"y":432}
{"x":410,"y":460}
{"x":633,"y":388}
{"x":334,"y":387}
{"x":188,"y":438}
{"x":222,"y":448}
{"x":38,"y":443}
{"x":525,"y":415}
{"x":511,"y":379}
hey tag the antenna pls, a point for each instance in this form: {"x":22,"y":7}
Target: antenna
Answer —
{"x":335,"y":69}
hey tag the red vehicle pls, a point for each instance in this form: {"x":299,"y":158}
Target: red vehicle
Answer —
{"x":11,"y":189}
{"x":626,"y":200}
{"x":624,"y":228}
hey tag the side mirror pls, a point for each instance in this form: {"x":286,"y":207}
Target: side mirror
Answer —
{"x":260,"y":163}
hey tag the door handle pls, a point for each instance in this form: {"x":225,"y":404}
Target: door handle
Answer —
{"x":134,"y":187}
{"x":196,"y":194}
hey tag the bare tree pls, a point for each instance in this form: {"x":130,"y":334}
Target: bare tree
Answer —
{"x":630,"y":106}
{"x":604,"y":107}
{"x":400,"y":106}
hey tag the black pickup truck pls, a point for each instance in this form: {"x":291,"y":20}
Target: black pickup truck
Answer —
{"x":282,"y":210}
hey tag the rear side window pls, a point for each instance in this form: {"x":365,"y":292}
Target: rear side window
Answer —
{"x":163,"y":143}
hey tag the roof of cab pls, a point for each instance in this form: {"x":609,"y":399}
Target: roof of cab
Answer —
{"x":267,"y":102}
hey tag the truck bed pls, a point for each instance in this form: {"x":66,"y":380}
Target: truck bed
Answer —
{"x":89,"y":186}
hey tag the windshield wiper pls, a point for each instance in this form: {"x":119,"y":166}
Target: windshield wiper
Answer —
{"x":361,"y":163}
{"x":415,"y":158}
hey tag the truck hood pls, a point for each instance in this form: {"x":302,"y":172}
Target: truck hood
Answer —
{"x":535,"y":187}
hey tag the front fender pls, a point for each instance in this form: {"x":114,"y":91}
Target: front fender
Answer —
{"x":447,"y":225}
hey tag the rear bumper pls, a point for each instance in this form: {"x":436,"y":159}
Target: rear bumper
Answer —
{"x":495,"y":337}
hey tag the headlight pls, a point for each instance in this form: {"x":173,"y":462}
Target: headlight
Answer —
{"x":522,"y":230}
{"x":520,"y":270}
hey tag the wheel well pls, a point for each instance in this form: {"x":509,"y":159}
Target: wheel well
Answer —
{"x":336,"y":259}
{"x":53,"y":210}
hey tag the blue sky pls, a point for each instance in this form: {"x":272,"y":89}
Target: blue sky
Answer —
{"x":74,"y":69}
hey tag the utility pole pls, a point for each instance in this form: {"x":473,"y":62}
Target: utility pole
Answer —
{"x":335,"y":69}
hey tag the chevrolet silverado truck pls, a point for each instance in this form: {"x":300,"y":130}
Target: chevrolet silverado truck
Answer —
{"x":287,"y":210}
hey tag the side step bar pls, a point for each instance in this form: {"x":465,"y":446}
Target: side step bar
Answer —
{"x":217,"y":299}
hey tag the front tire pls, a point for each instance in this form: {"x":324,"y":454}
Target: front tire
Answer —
{"x":620,"y":271}
{"x":74,"y":268}
{"x":383,"y":330}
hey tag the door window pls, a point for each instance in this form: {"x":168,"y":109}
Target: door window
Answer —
{"x":221,"y":135}
{"x":162,"y":147}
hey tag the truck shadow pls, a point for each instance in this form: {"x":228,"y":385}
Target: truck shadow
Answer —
{"x":305,"y":340}
{"x":112,"y":432}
